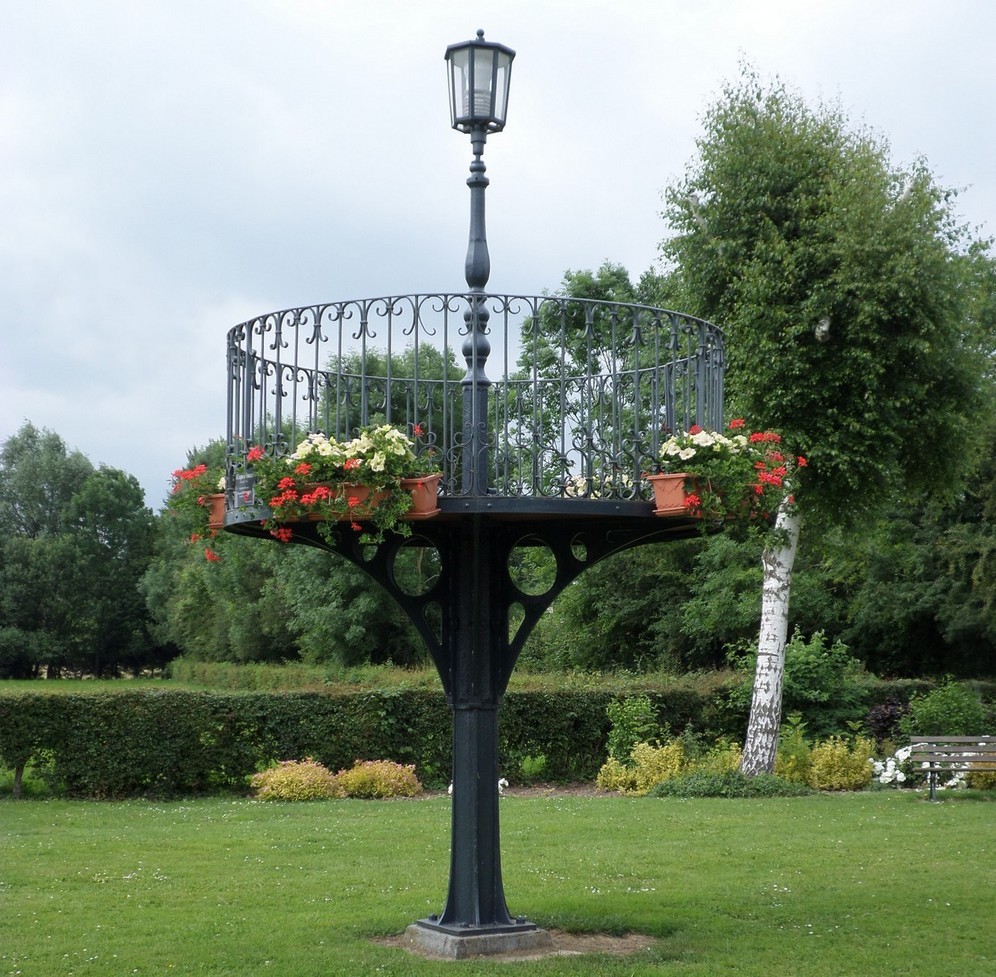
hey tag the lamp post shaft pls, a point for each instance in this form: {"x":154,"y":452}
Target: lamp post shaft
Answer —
{"x":476,"y":347}
{"x":477,"y":268}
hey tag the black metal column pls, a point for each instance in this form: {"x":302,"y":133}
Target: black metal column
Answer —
{"x":474,"y":665}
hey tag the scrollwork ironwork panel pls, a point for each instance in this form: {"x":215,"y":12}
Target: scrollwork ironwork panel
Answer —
{"x":578,"y":394}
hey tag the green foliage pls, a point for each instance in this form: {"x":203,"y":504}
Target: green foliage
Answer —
{"x":264,"y":602}
{"x":836,"y":763}
{"x":788,"y":218}
{"x":794,"y":757}
{"x":533,"y":767}
{"x":721,"y":758}
{"x":73,"y":540}
{"x":839,"y":764}
{"x":553,"y":338}
{"x":647,"y":766}
{"x":651,"y":765}
{"x":954,"y":709}
{"x":982,"y":780}
{"x":704,"y":783}
{"x":162,"y":741}
{"x":634,"y":720}
{"x":654,"y":764}
{"x":296,"y":780}
{"x":822,"y":682}
{"x":39,"y":477}
{"x":614,"y":775}
{"x":379,"y":778}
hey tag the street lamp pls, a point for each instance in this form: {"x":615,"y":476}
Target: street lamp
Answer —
{"x":479,"y":76}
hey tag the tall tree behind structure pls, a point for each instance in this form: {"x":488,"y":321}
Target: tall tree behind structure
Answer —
{"x":840,"y":282}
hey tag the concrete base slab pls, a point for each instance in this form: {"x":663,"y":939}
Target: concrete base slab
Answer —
{"x":453,"y":944}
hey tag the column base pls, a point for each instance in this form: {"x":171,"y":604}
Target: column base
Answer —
{"x":455,"y":942}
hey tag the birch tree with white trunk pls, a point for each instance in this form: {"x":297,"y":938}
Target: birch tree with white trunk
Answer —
{"x":778,"y":558}
{"x":839,"y":280}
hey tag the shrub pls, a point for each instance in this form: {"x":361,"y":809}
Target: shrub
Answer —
{"x":823,"y":683}
{"x":616,"y":776}
{"x":296,"y":780}
{"x":953,"y":709}
{"x":836,"y":764}
{"x":982,"y":779}
{"x":723,"y":758}
{"x":794,"y":756}
{"x":704,"y":783}
{"x":883,"y":719}
{"x":379,"y":778}
{"x":533,"y":767}
{"x":649,"y":766}
{"x":655,"y":764}
{"x":633,"y":721}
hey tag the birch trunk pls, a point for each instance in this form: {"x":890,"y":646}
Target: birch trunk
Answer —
{"x":761,"y":743}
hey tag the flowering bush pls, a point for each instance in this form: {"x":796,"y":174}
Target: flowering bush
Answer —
{"x":735,"y":474}
{"x":379,"y":778}
{"x":190,"y":501}
{"x":325,"y":479}
{"x":296,"y":780}
{"x":890,"y":770}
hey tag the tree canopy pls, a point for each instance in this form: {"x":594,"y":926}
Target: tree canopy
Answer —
{"x":74,"y":541}
{"x":848,"y":290}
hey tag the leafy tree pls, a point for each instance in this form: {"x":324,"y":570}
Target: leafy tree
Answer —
{"x":921,"y":585}
{"x":112,"y":533}
{"x":622,"y":613}
{"x":73,"y":543}
{"x":38,"y":479}
{"x":842,"y":283}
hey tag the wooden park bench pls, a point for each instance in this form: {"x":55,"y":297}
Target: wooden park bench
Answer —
{"x":952,"y":754}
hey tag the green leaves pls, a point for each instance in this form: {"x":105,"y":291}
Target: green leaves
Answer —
{"x":789,"y":217}
{"x":73,"y":542}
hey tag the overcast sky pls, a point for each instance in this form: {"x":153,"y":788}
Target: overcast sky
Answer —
{"x":169,"y":168}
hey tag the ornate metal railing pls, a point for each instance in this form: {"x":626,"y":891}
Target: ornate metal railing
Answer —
{"x":582,"y":395}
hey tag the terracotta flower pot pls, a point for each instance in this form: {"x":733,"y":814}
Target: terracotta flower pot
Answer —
{"x":669,"y":493}
{"x":216,"y":513}
{"x":361,"y":501}
{"x":425,"y":495}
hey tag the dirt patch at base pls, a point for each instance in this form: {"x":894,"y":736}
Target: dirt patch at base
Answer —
{"x":561,"y":945}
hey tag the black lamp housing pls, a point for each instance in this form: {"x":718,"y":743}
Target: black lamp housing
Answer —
{"x":479,"y":73}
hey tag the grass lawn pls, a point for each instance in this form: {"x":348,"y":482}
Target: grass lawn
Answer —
{"x":869,"y":885}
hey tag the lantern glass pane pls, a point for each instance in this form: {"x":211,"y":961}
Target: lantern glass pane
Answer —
{"x":459,"y":83}
{"x":501,"y":88}
{"x":482,"y":80}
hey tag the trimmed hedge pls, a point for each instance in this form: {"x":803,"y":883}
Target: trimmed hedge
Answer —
{"x":172,"y":742}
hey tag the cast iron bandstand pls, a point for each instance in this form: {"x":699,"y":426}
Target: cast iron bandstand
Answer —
{"x":552,"y":451}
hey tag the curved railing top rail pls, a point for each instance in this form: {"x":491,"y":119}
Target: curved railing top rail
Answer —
{"x":547,"y":395}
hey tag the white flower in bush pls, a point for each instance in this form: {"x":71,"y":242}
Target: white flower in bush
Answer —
{"x":888,"y":772}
